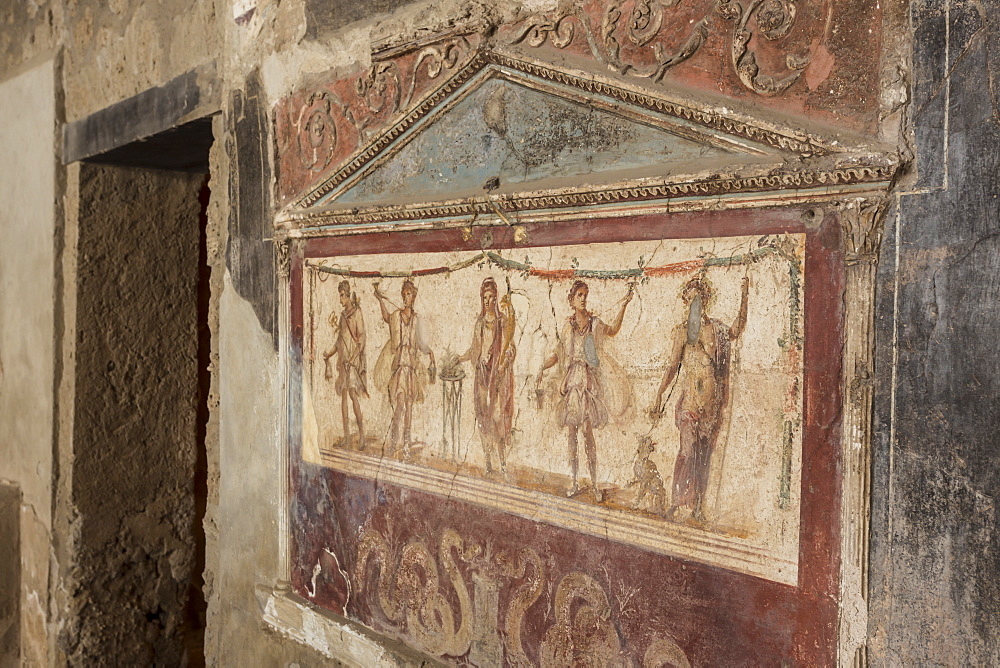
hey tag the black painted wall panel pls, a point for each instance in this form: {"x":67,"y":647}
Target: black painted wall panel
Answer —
{"x":250,"y":256}
{"x":935,"y":537}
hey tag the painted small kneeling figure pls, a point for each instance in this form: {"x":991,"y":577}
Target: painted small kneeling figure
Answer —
{"x":647,"y":479}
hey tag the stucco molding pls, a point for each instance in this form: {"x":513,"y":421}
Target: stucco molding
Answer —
{"x":487,"y":64}
{"x":282,"y":261}
{"x":798,"y":167}
{"x":707,"y":190}
{"x":389,"y":108}
{"x":661,"y":102}
{"x":386,"y":137}
{"x":862,"y":221}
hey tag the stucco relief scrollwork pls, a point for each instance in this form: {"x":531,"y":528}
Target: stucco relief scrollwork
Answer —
{"x":643,"y":23}
{"x":316,"y":131}
{"x":774,"y":18}
{"x":393,"y":84}
{"x":647,"y":17}
{"x":379,"y":93}
{"x":438,"y":58}
{"x":386,"y":90}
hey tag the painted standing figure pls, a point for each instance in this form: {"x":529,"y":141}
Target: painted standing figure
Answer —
{"x":583,"y":395}
{"x":400,"y":364}
{"x":352,"y":368}
{"x":492,"y":353}
{"x":699,"y":361}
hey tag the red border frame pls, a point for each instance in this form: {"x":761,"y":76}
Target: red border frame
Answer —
{"x":813,"y":626}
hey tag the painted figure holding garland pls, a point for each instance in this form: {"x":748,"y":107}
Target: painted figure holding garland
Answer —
{"x":589,"y":395}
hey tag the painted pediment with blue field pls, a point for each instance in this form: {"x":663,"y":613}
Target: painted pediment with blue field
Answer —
{"x":506,"y":136}
{"x":502,"y":133}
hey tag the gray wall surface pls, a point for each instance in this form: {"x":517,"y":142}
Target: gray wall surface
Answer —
{"x":935,"y":536}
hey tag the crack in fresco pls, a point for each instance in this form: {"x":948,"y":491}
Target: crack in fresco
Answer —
{"x":432,"y":442}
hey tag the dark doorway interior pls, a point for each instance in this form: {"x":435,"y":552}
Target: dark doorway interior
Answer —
{"x":142,"y":391}
{"x":10,"y":574}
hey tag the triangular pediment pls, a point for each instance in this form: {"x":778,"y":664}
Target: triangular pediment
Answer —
{"x":507,"y":136}
{"x":538,"y":136}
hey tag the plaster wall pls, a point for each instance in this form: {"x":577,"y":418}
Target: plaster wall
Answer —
{"x":934,"y":491}
{"x":247,"y":554}
{"x":27,"y":314}
{"x":267,"y":57}
{"x":243,"y":557}
{"x":112,"y":50}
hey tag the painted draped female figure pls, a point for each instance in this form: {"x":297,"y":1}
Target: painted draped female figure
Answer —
{"x":700,"y":363}
{"x":492,"y":353}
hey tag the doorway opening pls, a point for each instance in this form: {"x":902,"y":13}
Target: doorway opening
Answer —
{"x":140,"y":477}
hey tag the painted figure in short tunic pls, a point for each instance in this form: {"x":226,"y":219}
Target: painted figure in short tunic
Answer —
{"x":352,"y":367}
{"x":584,"y":401}
{"x":700,"y":363}
{"x":400,"y":367}
{"x":492,"y":352}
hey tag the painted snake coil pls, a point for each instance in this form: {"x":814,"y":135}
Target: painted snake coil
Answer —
{"x":412,"y":590}
{"x":524,"y":598}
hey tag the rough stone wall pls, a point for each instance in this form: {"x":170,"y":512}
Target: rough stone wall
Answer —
{"x":135,"y":432}
{"x":120,"y":48}
{"x":27,"y":30}
{"x":111,"y":50}
{"x":935,"y":542}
